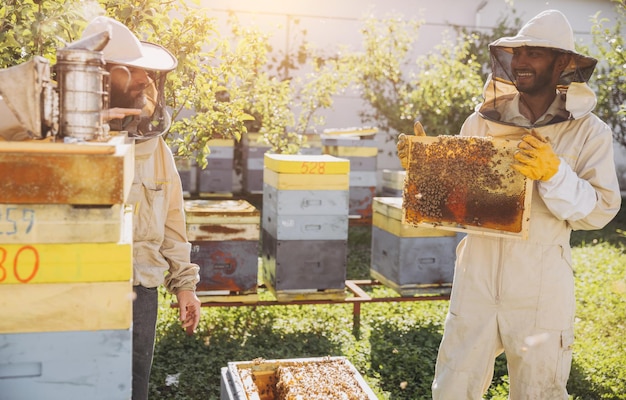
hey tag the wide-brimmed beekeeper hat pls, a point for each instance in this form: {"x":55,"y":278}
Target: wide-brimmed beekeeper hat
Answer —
{"x":549,"y":29}
{"x":125,"y":49}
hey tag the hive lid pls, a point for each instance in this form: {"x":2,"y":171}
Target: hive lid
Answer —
{"x":307,"y":164}
{"x":466,"y":184}
{"x":220,"y":211}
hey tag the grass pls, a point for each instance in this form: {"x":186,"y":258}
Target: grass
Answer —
{"x":398,"y":343}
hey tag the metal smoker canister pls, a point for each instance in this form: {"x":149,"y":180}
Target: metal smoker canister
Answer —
{"x":80,"y":81}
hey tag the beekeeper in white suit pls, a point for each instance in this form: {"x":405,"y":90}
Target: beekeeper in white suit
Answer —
{"x":161,"y":252}
{"x":517,"y":296}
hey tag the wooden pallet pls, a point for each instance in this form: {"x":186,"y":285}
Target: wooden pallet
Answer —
{"x":413,"y":289}
{"x":224,"y":296}
{"x":308,"y":294}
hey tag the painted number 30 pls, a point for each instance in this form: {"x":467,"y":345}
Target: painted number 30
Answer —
{"x":24,"y":264}
{"x":313,"y":168}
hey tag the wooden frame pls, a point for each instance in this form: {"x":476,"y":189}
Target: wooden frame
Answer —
{"x":466,"y":184}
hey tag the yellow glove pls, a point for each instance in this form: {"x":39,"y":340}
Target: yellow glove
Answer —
{"x":535,"y":158}
{"x":403,"y":144}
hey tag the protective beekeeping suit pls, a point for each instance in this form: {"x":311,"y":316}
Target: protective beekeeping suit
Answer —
{"x":161,"y":252}
{"x":515,"y":295}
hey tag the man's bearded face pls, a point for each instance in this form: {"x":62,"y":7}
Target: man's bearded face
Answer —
{"x":127,"y":86}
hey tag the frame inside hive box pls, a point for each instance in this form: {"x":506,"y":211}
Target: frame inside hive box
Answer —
{"x":300,"y":378}
{"x":466,"y":184}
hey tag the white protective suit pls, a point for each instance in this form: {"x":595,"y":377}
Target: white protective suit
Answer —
{"x":514,"y":295}
{"x":161,"y":252}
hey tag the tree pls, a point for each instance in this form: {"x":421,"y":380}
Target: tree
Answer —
{"x":222,"y":86}
{"x":609,"y":81}
{"x":440,"y":89}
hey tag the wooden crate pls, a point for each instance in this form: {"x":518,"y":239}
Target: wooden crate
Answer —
{"x":33,"y":264}
{"x":257,"y":379}
{"x":306,"y":202}
{"x":57,"y":307}
{"x":388,"y":217}
{"x":93,"y":365}
{"x":300,"y":164}
{"x":393,"y":182}
{"x":64,"y":223}
{"x":304,"y":266}
{"x":466,"y":184}
{"x":43,"y":172}
{"x":361,"y":198}
{"x":225,"y":238}
{"x":226,"y":267}
{"x":412,"y":265}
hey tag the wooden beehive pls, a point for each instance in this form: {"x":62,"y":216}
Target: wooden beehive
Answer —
{"x":44,"y":172}
{"x":225,"y":236}
{"x":280,"y":379}
{"x":466,"y":184}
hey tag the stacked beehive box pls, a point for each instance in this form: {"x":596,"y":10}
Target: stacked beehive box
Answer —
{"x":361,"y":150}
{"x":65,"y":274}
{"x":253,"y":150}
{"x":225,"y":236}
{"x":393,"y":183}
{"x":188,"y":172}
{"x":313,"y":144}
{"x":217,"y":178}
{"x":410,"y":260}
{"x":305,"y":225}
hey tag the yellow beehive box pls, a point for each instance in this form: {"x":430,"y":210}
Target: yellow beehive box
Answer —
{"x":303,"y":164}
{"x":56,"y":307}
{"x":350,"y":151}
{"x":222,"y":220}
{"x":388,"y":217}
{"x":306,"y":181}
{"x":466,"y":184}
{"x":65,"y":263}
{"x":63,"y":223}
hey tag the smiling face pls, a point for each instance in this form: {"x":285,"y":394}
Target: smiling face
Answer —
{"x":535,"y":69}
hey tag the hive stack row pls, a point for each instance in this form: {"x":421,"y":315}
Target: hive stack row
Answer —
{"x":218,"y":176}
{"x":253,"y":149}
{"x":411,"y":260}
{"x":224,"y":235}
{"x":304,"y":228}
{"x":66,"y":270}
{"x":362,"y":153}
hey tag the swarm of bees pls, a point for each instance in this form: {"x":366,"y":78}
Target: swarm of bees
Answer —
{"x":465,"y":181}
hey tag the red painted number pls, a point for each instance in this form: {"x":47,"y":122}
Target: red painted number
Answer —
{"x":313,"y":168}
{"x":24,"y":268}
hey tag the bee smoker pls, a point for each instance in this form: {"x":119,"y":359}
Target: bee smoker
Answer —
{"x":81,"y":85}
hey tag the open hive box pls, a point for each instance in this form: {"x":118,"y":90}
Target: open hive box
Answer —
{"x":466,"y":184}
{"x":325,"y":378}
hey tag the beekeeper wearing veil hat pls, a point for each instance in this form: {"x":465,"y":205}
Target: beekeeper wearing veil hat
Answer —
{"x":161,"y":251}
{"x":517,"y":296}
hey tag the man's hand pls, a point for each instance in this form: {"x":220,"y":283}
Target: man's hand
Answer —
{"x":189,"y":306}
{"x":535,"y":158}
{"x":403,"y":143}
{"x":119,"y":113}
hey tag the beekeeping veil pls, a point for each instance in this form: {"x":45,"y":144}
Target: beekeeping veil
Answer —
{"x":124,"y":49}
{"x":548,"y":29}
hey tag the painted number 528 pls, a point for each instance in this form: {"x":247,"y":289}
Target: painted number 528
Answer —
{"x":313,"y":168}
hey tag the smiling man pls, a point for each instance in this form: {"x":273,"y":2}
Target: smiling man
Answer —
{"x":517,"y":296}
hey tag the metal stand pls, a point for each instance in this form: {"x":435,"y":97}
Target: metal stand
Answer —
{"x":358,"y":297}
